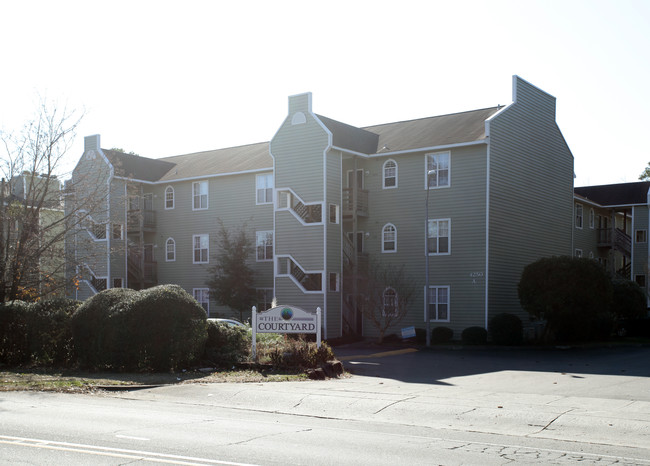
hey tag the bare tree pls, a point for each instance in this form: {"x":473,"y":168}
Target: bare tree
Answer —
{"x":388,"y":291}
{"x":33,"y":222}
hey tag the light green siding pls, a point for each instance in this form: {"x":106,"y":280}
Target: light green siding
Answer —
{"x":530,"y":192}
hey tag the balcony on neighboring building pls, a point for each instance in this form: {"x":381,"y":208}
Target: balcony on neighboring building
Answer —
{"x":141,"y":220}
{"x":349,"y":204}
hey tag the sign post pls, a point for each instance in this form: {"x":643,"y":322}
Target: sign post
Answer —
{"x":285,"y":319}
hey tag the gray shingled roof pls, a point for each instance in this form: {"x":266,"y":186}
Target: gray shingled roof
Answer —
{"x":220,"y":161}
{"x":616,"y":194}
{"x":350,"y":137}
{"x":134,"y":166}
{"x":433,"y":131}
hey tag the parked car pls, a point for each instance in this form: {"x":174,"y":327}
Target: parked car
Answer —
{"x":228,"y":322}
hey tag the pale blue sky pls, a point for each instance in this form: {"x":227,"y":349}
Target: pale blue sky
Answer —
{"x":166,"y":78}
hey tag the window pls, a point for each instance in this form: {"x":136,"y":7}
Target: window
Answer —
{"x":591,"y":254}
{"x":578,"y":253}
{"x":439,"y":163}
{"x":117,"y":231}
{"x":200,"y":195}
{"x":117,"y":283}
{"x":201,"y":248}
{"x":264,"y":184}
{"x":264,"y":246}
{"x":390,"y":174}
{"x":170,"y":250}
{"x":640,"y":280}
{"x":438,"y":236}
{"x":390,"y":302}
{"x":578,"y":215}
{"x":334,"y":213}
{"x":641,"y":236}
{"x":389,"y":238}
{"x":592,"y":219}
{"x":438,"y":301}
{"x":264,"y":298}
{"x":169,"y":197}
{"x":334,"y":281}
{"x":202,"y":295}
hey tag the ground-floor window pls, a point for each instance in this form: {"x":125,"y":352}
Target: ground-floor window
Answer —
{"x":438,"y":303}
{"x":202,"y":295}
{"x":264,"y":298}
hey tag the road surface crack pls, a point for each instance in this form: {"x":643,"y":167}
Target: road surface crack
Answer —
{"x":242,"y":442}
{"x":552,"y":421}
{"x":393,"y":404}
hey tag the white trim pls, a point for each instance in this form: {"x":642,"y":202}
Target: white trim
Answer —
{"x":337,"y":214}
{"x":338,"y":282}
{"x":167,"y":259}
{"x":173,"y":197}
{"x":257,"y":189}
{"x":419,"y":149}
{"x":578,"y":253}
{"x":207,"y":261}
{"x":289,"y":209}
{"x":257,"y":257}
{"x":487,"y":221}
{"x":383,"y":175}
{"x":426,"y":303}
{"x":203,"y":290}
{"x":193,"y":178}
{"x":383,"y":239}
{"x":448,"y":253}
{"x":426,"y":170}
{"x":592,"y":218}
{"x":292,"y":278}
{"x":383,"y":299}
{"x":207,"y":195}
{"x":575,"y":215}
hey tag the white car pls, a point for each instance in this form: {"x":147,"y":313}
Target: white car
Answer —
{"x":228,"y":322}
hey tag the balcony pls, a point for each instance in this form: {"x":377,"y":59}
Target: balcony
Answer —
{"x":615,"y":238}
{"x":141,"y":220}
{"x":348,"y":203}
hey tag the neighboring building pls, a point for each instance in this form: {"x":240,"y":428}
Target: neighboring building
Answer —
{"x":324,"y":199}
{"x":611,"y":226}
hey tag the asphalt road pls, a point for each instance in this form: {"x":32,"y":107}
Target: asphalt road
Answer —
{"x":420,"y":407}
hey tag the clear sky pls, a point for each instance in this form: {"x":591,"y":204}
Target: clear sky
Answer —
{"x":164,"y":78}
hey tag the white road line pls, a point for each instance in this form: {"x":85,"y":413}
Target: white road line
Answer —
{"x":130,"y":437}
{"x":113,"y":452}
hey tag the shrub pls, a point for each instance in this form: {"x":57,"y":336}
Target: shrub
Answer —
{"x":14,"y":341}
{"x":474,"y":336}
{"x":441,"y":334}
{"x":299,"y":354}
{"x":226,"y":345}
{"x":572,"y":294}
{"x":629,"y":300}
{"x":506,"y":329}
{"x":159,"y":328}
{"x":37,"y":333}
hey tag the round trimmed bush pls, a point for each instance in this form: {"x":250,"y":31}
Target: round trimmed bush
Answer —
{"x":50,"y":333}
{"x":160,"y":328}
{"x":226,"y":345}
{"x":506,"y":329}
{"x":441,"y":335}
{"x":474,"y":336}
{"x":629,"y":300}
{"x":14,"y":325}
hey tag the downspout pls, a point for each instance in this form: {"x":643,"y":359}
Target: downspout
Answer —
{"x":125,"y":233}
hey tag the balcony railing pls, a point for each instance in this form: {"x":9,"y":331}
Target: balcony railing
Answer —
{"x":616,"y":239}
{"x":141,"y":220}
{"x":348,"y":202}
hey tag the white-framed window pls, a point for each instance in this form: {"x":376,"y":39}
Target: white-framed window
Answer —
{"x":169,"y":197}
{"x":264,"y":188}
{"x":334,"y":284}
{"x":117,"y":231}
{"x":202,"y":295}
{"x":579,"y":216}
{"x":641,"y":236}
{"x":389,"y":238}
{"x":199,"y":195}
{"x":439,"y":163}
{"x":117,"y":283}
{"x":591,"y":254}
{"x":170,"y":250}
{"x":592,"y":218}
{"x":390,"y":174}
{"x":438,"y":301}
{"x":439,"y":236}
{"x":201,"y":248}
{"x":264,"y":298}
{"x":264,"y":243}
{"x":334,"y":213}
{"x":578,"y":253}
{"x":390,"y":302}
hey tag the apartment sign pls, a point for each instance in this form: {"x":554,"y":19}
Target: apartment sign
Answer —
{"x":286,"y":319}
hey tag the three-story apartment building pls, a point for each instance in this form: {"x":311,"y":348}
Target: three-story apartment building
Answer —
{"x":480,"y":194}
